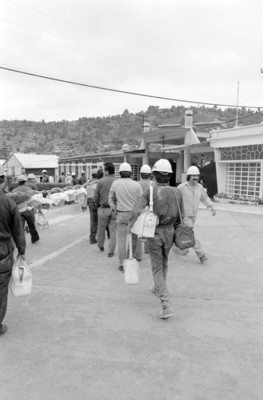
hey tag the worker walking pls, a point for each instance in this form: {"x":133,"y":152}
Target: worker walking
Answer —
{"x":145,"y":181}
{"x":192,"y":193}
{"x":106,"y":218}
{"x":166,"y":208}
{"x":124,"y":193}
{"x":90,"y":189}
{"x":26,"y":213}
{"x":11,"y":230}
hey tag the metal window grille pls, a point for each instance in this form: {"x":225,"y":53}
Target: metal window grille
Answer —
{"x":243,"y":180}
{"x":135,"y":171}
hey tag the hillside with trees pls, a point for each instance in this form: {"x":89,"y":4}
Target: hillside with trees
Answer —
{"x":105,"y":133}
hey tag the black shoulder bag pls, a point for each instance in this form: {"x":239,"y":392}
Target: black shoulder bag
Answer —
{"x":183,"y":235}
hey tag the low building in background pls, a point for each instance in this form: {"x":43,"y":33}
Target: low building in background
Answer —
{"x":21,"y":163}
{"x":239,"y":161}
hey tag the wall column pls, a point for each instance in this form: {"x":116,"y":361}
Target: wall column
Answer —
{"x":179,"y":167}
{"x":187,"y":159}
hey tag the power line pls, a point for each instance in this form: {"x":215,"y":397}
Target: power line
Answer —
{"x":244,"y":116}
{"x":124,"y":91}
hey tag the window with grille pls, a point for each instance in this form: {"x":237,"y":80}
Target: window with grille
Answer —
{"x":243,"y":180}
{"x":135,"y":171}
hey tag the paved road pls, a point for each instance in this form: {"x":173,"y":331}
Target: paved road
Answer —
{"x":84,"y":334}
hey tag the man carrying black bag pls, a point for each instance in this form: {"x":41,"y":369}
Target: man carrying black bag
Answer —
{"x":10,"y":228}
{"x":192,"y":193}
{"x":165,"y":207}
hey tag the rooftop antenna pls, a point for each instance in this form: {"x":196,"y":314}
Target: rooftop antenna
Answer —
{"x":237,"y":103}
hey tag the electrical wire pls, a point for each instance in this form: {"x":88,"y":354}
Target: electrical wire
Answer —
{"x":244,"y":116}
{"x":123,"y":91}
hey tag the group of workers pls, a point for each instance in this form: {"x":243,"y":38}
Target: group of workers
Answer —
{"x":114,"y":206}
{"x":119,"y":202}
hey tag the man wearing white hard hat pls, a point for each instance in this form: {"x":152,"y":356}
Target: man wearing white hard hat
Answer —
{"x":11,"y":231}
{"x":192,"y":193}
{"x":68,"y":178}
{"x":124,"y":193}
{"x":145,"y":181}
{"x":145,"y":177}
{"x":31,"y":181}
{"x":45,"y":177}
{"x":166,"y":208}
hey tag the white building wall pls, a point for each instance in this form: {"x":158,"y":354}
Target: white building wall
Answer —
{"x":13,"y":166}
{"x":229,"y":138}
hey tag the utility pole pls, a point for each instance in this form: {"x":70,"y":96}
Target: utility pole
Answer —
{"x":143,"y":119}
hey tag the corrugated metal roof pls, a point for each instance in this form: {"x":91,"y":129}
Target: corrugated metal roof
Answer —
{"x":37,"y":160}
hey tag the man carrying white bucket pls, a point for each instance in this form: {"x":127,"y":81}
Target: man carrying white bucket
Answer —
{"x":124,"y":193}
{"x":165,"y":207}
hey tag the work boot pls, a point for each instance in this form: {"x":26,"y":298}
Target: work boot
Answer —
{"x":203,"y":259}
{"x":93,"y":241}
{"x":166,"y":312}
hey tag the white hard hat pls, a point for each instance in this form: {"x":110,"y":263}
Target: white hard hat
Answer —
{"x":162,"y":165}
{"x":145,"y":169}
{"x":193,"y":170}
{"x":22,"y":178}
{"x":125,"y":167}
{"x":44,"y":171}
{"x":31,"y":176}
{"x":94,"y":171}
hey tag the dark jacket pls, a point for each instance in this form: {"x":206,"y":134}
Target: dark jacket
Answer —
{"x":165,"y":205}
{"x":11,"y":224}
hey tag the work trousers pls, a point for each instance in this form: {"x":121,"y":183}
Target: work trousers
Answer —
{"x":29,"y":217}
{"x":190,"y":221}
{"x":93,"y":222}
{"x":159,"y":247}
{"x":122,"y":225}
{"x":6,"y":264}
{"x":107,"y":218}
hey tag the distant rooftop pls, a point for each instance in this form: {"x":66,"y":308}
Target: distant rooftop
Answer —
{"x":37,"y":160}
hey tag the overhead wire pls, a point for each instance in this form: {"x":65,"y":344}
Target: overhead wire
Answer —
{"x":18,"y":71}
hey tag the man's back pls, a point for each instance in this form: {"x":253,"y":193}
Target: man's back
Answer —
{"x":164,"y":204}
{"x":10,"y":221}
{"x":103,"y":189}
{"x":126,"y":192}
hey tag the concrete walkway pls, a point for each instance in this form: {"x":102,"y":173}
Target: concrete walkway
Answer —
{"x":84,"y":334}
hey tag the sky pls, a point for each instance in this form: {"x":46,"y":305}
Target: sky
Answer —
{"x":202,"y":51}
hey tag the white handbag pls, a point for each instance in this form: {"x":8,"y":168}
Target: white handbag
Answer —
{"x":145,"y":224}
{"x":21,"y":279}
{"x":130,"y":265}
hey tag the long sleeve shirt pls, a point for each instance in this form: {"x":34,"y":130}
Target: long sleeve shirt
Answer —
{"x":11,"y":224}
{"x":124,"y":193}
{"x":191,"y":196}
{"x":165,"y":205}
{"x":101,"y":195}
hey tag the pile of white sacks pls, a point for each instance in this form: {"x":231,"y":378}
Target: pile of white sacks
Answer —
{"x":59,"y":197}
